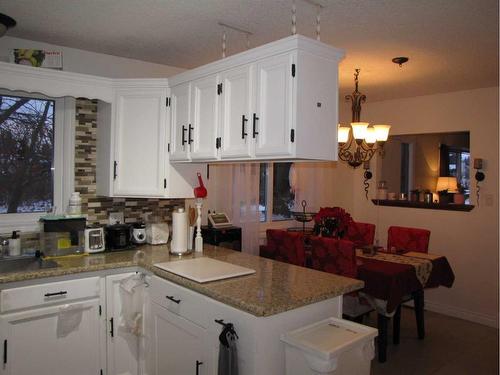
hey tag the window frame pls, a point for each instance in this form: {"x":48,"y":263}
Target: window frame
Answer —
{"x":63,"y":165}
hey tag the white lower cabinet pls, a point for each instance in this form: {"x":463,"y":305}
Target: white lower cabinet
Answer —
{"x":179,"y":345}
{"x":60,"y":337}
{"x":123,"y":354}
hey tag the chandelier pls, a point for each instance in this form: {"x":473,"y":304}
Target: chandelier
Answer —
{"x":359,"y":146}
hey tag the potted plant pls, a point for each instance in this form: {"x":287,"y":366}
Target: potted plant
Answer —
{"x":331,"y":222}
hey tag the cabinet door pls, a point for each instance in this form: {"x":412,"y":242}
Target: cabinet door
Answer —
{"x":140,"y":142}
{"x":180,"y":120}
{"x":202,"y":132}
{"x":180,"y":346}
{"x":273,"y":111}
{"x":48,"y":341}
{"x":122,"y":347}
{"x":236,"y":137}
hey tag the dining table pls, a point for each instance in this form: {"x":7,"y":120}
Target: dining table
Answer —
{"x":394,"y":278}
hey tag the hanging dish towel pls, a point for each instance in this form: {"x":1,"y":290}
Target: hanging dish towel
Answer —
{"x":228,"y":355}
{"x":69,"y":319}
{"x":132,"y":298}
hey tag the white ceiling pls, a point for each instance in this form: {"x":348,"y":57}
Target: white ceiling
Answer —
{"x":452,"y":44}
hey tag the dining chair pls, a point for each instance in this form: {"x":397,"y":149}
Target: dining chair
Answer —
{"x":362,"y":234}
{"x":409,"y":239}
{"x":339,"y":257}
{"x":285,"y":247}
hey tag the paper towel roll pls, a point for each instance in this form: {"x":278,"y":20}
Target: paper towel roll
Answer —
{"x":179,"y":231}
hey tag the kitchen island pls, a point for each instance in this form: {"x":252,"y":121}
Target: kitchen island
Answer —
{"x":278,"y":297}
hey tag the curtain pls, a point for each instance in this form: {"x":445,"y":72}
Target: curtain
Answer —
{"x":313,"y":182}
{"x":234,"y":189}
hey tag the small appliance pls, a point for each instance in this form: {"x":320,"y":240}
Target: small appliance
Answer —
{"x":118,"y":237}
{"x":139,"y":233}
{"x":94,"y":240}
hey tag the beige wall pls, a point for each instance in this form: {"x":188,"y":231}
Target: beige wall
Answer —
{"x":468,"y":239}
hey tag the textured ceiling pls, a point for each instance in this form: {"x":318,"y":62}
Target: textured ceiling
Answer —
{"x":452,"y":44}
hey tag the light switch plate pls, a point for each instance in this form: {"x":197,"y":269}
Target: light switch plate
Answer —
{"x":116,"y":218}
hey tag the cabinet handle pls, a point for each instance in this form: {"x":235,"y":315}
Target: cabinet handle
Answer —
{"x":243,"y":122}
{"x":61,"y":293}
{"x":115,"y":166}
{"x":171,"y":298}
{"x":198,"y":364}
{"x":190,"y":140}
{"x":111,"y":327}
{"x":4,"y":352}
{"x":255,"y":119}
{"x":183,"y":135}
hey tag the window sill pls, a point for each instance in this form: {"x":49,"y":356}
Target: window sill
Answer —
{"x":429,"y":206}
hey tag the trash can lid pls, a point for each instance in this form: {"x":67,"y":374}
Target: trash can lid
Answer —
{"x":328,"y":338}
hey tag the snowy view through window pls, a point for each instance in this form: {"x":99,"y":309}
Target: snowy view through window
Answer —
{"x":26,"y":154}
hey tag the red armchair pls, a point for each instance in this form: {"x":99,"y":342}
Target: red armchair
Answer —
{"x":362,"y":234}
{"x":408,"y":239}
{"x":334,"y":256}
{"x":339,"y":257}
{"x":285,"y":247}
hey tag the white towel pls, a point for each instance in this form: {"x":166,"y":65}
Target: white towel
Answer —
{"x":69,"y":319}
{"x":132,"y":299}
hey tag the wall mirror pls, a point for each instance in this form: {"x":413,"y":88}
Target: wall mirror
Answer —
{"x":436,"y":163}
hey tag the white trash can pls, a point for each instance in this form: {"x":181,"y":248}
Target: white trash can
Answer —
{"x":331,"y":346}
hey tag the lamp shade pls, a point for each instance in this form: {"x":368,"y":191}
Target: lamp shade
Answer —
{"x":371,"y":135}
{"x":447,"y":183}
{"x":359,"y":129}
{"x":343,"y":134}
{"x":382,"y":132}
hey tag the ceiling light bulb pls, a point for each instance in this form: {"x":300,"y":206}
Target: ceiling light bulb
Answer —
{"x":359,"y":130}
{"x":343,"y":134}
{"x":382,"y":132}
{"x":371,"y":135}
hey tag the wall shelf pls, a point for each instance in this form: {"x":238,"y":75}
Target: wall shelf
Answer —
{"x":429,"y":206}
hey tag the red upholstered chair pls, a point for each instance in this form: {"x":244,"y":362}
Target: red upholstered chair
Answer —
{"x":334,"y":256}
{"x":408,"y":239}
{"x":339,"y":257}
{"x":285,"y":247}
{"x":362,"y":234}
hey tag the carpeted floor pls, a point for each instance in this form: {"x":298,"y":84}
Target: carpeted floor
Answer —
{"x":451,"y":347}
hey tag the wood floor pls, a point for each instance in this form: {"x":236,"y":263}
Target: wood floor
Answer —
{"x":451,"y":347}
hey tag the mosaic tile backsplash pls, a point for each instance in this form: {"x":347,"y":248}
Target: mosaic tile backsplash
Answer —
{"x":98,"y":208}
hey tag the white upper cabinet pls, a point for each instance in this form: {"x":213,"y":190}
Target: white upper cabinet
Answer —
{"x":140,"y":142}
{"x":272,"y":119}
{"x":180,"y":101}
{"x":236,"y":106}
{"x":276,"y":101}
{"x":133,"y":137}
{"x":202,"y":130}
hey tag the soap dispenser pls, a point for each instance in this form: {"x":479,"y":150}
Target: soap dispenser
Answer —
{"x":15,"y":244}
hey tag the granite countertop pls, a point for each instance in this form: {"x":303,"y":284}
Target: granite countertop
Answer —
{"x":274,"y":288}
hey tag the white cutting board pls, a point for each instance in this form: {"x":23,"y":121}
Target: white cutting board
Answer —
{"x":204,"y":269}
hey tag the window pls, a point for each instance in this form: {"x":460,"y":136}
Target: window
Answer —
{"x":275,"y":192}
{"x":36,"y":157}
{"x":26,"y":154}
{"x":458,"y":166}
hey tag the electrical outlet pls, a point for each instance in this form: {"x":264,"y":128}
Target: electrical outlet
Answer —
{"x":116,"y":218}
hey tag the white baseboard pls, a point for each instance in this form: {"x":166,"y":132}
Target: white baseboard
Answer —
{"x":472,"y":316}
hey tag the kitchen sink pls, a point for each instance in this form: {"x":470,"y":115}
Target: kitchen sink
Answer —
{"x":25,"y":264}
